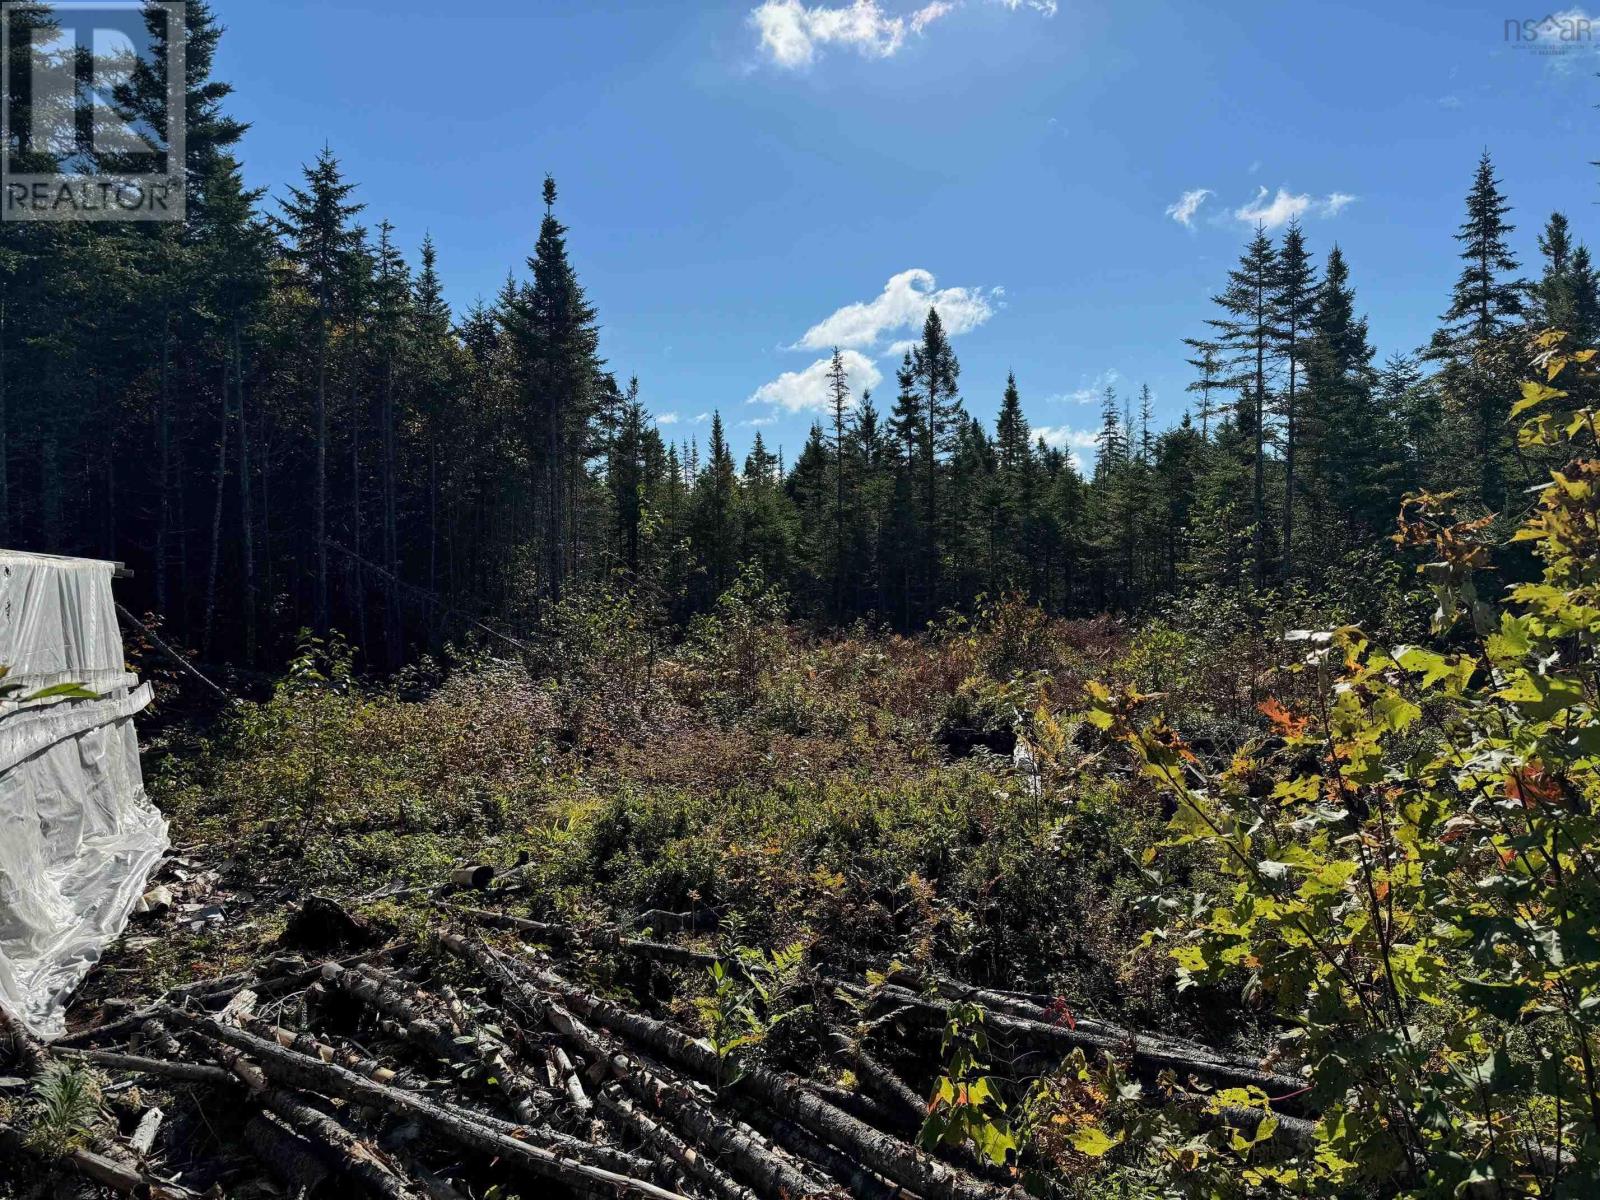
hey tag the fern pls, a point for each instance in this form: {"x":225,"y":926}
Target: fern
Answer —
{"x":66,"y":1108}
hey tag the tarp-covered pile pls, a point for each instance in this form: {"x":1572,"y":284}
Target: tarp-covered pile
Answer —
{"x":77,"y":834}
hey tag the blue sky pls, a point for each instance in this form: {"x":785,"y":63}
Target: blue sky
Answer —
{"x":748,"y":182}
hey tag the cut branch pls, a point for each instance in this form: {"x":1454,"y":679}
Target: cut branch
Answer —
{"x":786,"y":1094}
{"x":747,"y":1158}
{"x":461,"y":1126}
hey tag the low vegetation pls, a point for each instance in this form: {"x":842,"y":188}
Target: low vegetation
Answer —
{"x":1364,"y":862}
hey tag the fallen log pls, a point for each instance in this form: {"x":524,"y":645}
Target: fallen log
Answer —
{"x":265,"y":984}
{"x":340,"y":1146}
{"x":122,"y":1179}
{"x":386,"y":995}
{"x":907,"y":1109}
{"x":745,"y":1157}
{"x":906,"y":1106}
{"x":477,"y":876}
{"x":348,"y":1154}
{"x":1151,"y":1056}
{"x":171,"y":1070}
{"x":581,"y":1104}
{"x":786,"y":1094}
{"x":460,"y":1126}
{"x":866,"y":1108}
{"x":292,"y":1159}
{"x":305,"y":1043}
{"x":152,"y":1035}
{"x":700,"y":920}
{"x":1027,"y":1006}
{"x":19,"y":1046}
{"x":846,"y":1170}
{"x":689,"y":1160}
{"x":144,"y":1134}
{"x":601,"y":939}
{"x":311,"y":1048}
{"x":435,"y":1187}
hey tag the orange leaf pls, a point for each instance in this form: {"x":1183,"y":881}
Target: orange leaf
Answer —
{"x":1282,"y":719}
{"x":1533,"y":786}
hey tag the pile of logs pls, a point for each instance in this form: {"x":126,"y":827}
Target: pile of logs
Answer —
{"x":373,"y":1072}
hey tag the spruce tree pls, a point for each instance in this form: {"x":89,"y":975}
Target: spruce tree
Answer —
{"x":1358,"y":448}
{"x":1294,"y":296}
{"x":321,"y":245}
{"x":439,"y":361}
{"x":1474,"y":342}
{"x":233,"y":248}
{"x":1484,"y":304}
{"x":625,"y":475}
{"x":810,"y":491}
{"x":1112,"y":505}
{"x":839,"y":411}
{"x":935,"y":374}
{"x":1015,"y":501}
{"x":1551,"y":298}
{"x":1583,"y":322}
{"x":969,"y":564}
{"x":908,"y":533}
{"x":716,"y":527}
{"x":767,"y":516}
{"x":1179,"y":454}
{"x":558,"y":373}
{"x":1250,"y":335}
{"x":1012,"y":441}
{"x":1208,"y":364}
{"x":873,"y":454}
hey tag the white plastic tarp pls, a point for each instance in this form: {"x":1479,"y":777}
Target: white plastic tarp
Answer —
{"x":78,"y":836}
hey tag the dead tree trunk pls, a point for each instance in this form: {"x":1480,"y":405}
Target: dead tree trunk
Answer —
{"x":461,"y":1126}
{"x":755,"y":1164}
{"x":786,"y":1094}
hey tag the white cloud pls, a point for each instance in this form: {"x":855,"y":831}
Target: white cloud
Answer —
{"x":1090,"y":391}
{"x":1280,"y":210}
{"x":1287,"y":206}
{"x":667,"y":418}
{"x":1064,"y":437}
{"x":807,"y":390}
{"x":1184,"y":208}
{"x":1059,"y":436}
{"x":701,"y":418}
{"x":792,"y":35}
{"x":903,"y":305}
{"x":930,"y":13}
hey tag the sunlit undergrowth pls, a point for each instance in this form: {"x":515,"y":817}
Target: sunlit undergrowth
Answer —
{"x":860,"y":792}
{"x":940,"y":801}
{"x":1411,"y":862}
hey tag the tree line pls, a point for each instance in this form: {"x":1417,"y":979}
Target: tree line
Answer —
{"x":273,"y":416}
